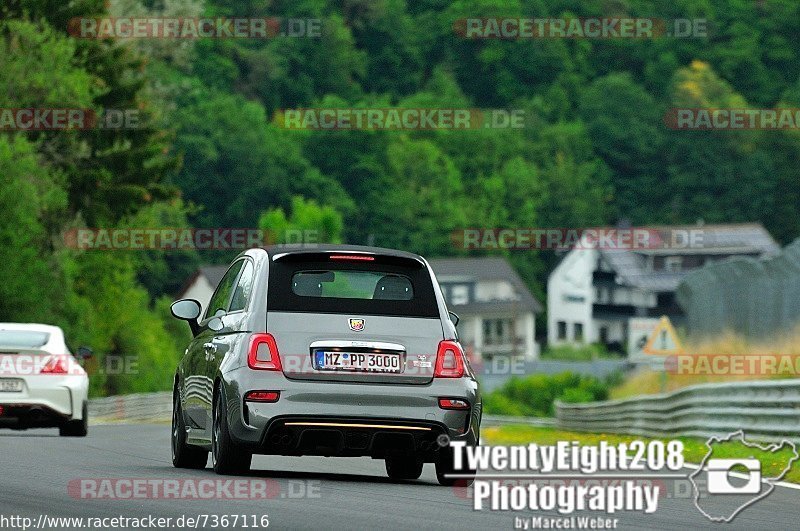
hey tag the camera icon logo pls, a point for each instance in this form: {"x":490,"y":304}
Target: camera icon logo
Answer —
{"x":719,"y":476}
{"x":733,"y":484}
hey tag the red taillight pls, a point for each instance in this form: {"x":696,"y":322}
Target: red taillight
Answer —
{"x":262,"y":396}
{"x":453,"y":403}
{"x":263,"y":353}
{"x":449,"y":360}
{"x":55,"y":365}
{"x":1,"y":411}
{"x":353,"y":257}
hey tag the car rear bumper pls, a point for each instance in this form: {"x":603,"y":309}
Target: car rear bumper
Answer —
{"x":45,"y":400}
{"x":351,"y":437}
{"x":30,"y":416}
{"x":348,"y":419}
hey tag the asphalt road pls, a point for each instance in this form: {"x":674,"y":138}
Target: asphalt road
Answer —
{"x":305,"y":493}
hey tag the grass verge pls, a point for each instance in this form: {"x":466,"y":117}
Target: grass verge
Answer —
{"x":694,"y":449}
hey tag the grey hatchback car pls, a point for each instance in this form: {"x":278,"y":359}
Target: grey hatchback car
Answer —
{"x":333,"y":350}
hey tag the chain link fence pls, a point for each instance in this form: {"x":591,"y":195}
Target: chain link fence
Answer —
{"x":755,"y":298}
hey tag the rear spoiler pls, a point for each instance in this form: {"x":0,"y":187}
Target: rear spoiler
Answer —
{"x":29,"y":351}
{"x":347,"y":255}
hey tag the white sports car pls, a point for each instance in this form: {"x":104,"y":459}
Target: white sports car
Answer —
{"x":41,"y":383}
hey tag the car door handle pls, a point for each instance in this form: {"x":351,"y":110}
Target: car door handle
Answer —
{"x":210,"y":349}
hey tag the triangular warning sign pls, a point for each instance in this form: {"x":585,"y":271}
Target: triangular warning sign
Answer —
{"x":663,"y":341}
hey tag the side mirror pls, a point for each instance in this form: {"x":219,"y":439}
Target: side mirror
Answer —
{"x":84,"y":353}
{"x":187,"y":310}
{"x":215,"y":324}
{"x":454,"y":318}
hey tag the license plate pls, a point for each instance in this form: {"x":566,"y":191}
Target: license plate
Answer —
{"x":327,"y":360}
{"x":10,"y":385}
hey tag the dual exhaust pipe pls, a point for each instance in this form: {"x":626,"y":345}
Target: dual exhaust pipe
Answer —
{"x":428,"y":446}
{"x":285,"y":439}
{"x":281,"y":440}
{"x":35,"y":413}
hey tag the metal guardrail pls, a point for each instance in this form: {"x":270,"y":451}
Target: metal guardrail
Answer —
{"x":158,"y":407}
{"x":496,"y":420}
{"x":767,"y":410}
{"x":138,"y":407}
{"x":145,"y":406}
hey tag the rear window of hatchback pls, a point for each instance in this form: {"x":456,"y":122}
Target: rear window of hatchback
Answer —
{"x":315,"y":283}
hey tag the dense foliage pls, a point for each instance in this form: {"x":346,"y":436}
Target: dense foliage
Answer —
{"x":212,"y":153}
{"x":535,"y":396}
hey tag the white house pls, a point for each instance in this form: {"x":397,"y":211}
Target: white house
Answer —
{"x":497,"y":311}
{"x":594,"y":293}
{"x":201,"y":285}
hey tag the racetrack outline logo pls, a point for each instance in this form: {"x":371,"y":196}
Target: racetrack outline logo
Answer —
{"x":717,"y":478}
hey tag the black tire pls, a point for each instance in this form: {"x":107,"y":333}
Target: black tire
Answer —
{"x":76,"y":428}
{"x":226,"y":457}
{"x":445,"y":467}
{"x":404,"y":467}
{"x":184,"y":455}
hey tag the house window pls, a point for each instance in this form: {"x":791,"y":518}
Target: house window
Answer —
{"x":459,"y":294}
{"x":497,"y":331}
{"x":578,"y":331}
{"x":602,"y":295}
{"x":623,"y":296}
{"x":673,"y":264}
{"x":562,"y":329}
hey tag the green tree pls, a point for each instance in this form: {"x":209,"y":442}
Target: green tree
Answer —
{"x":715,"y":175}
{"x":426,"y":203}
{"x":626,"y":128}
{"x":29,"y":195}
{"x":316,"y":223}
